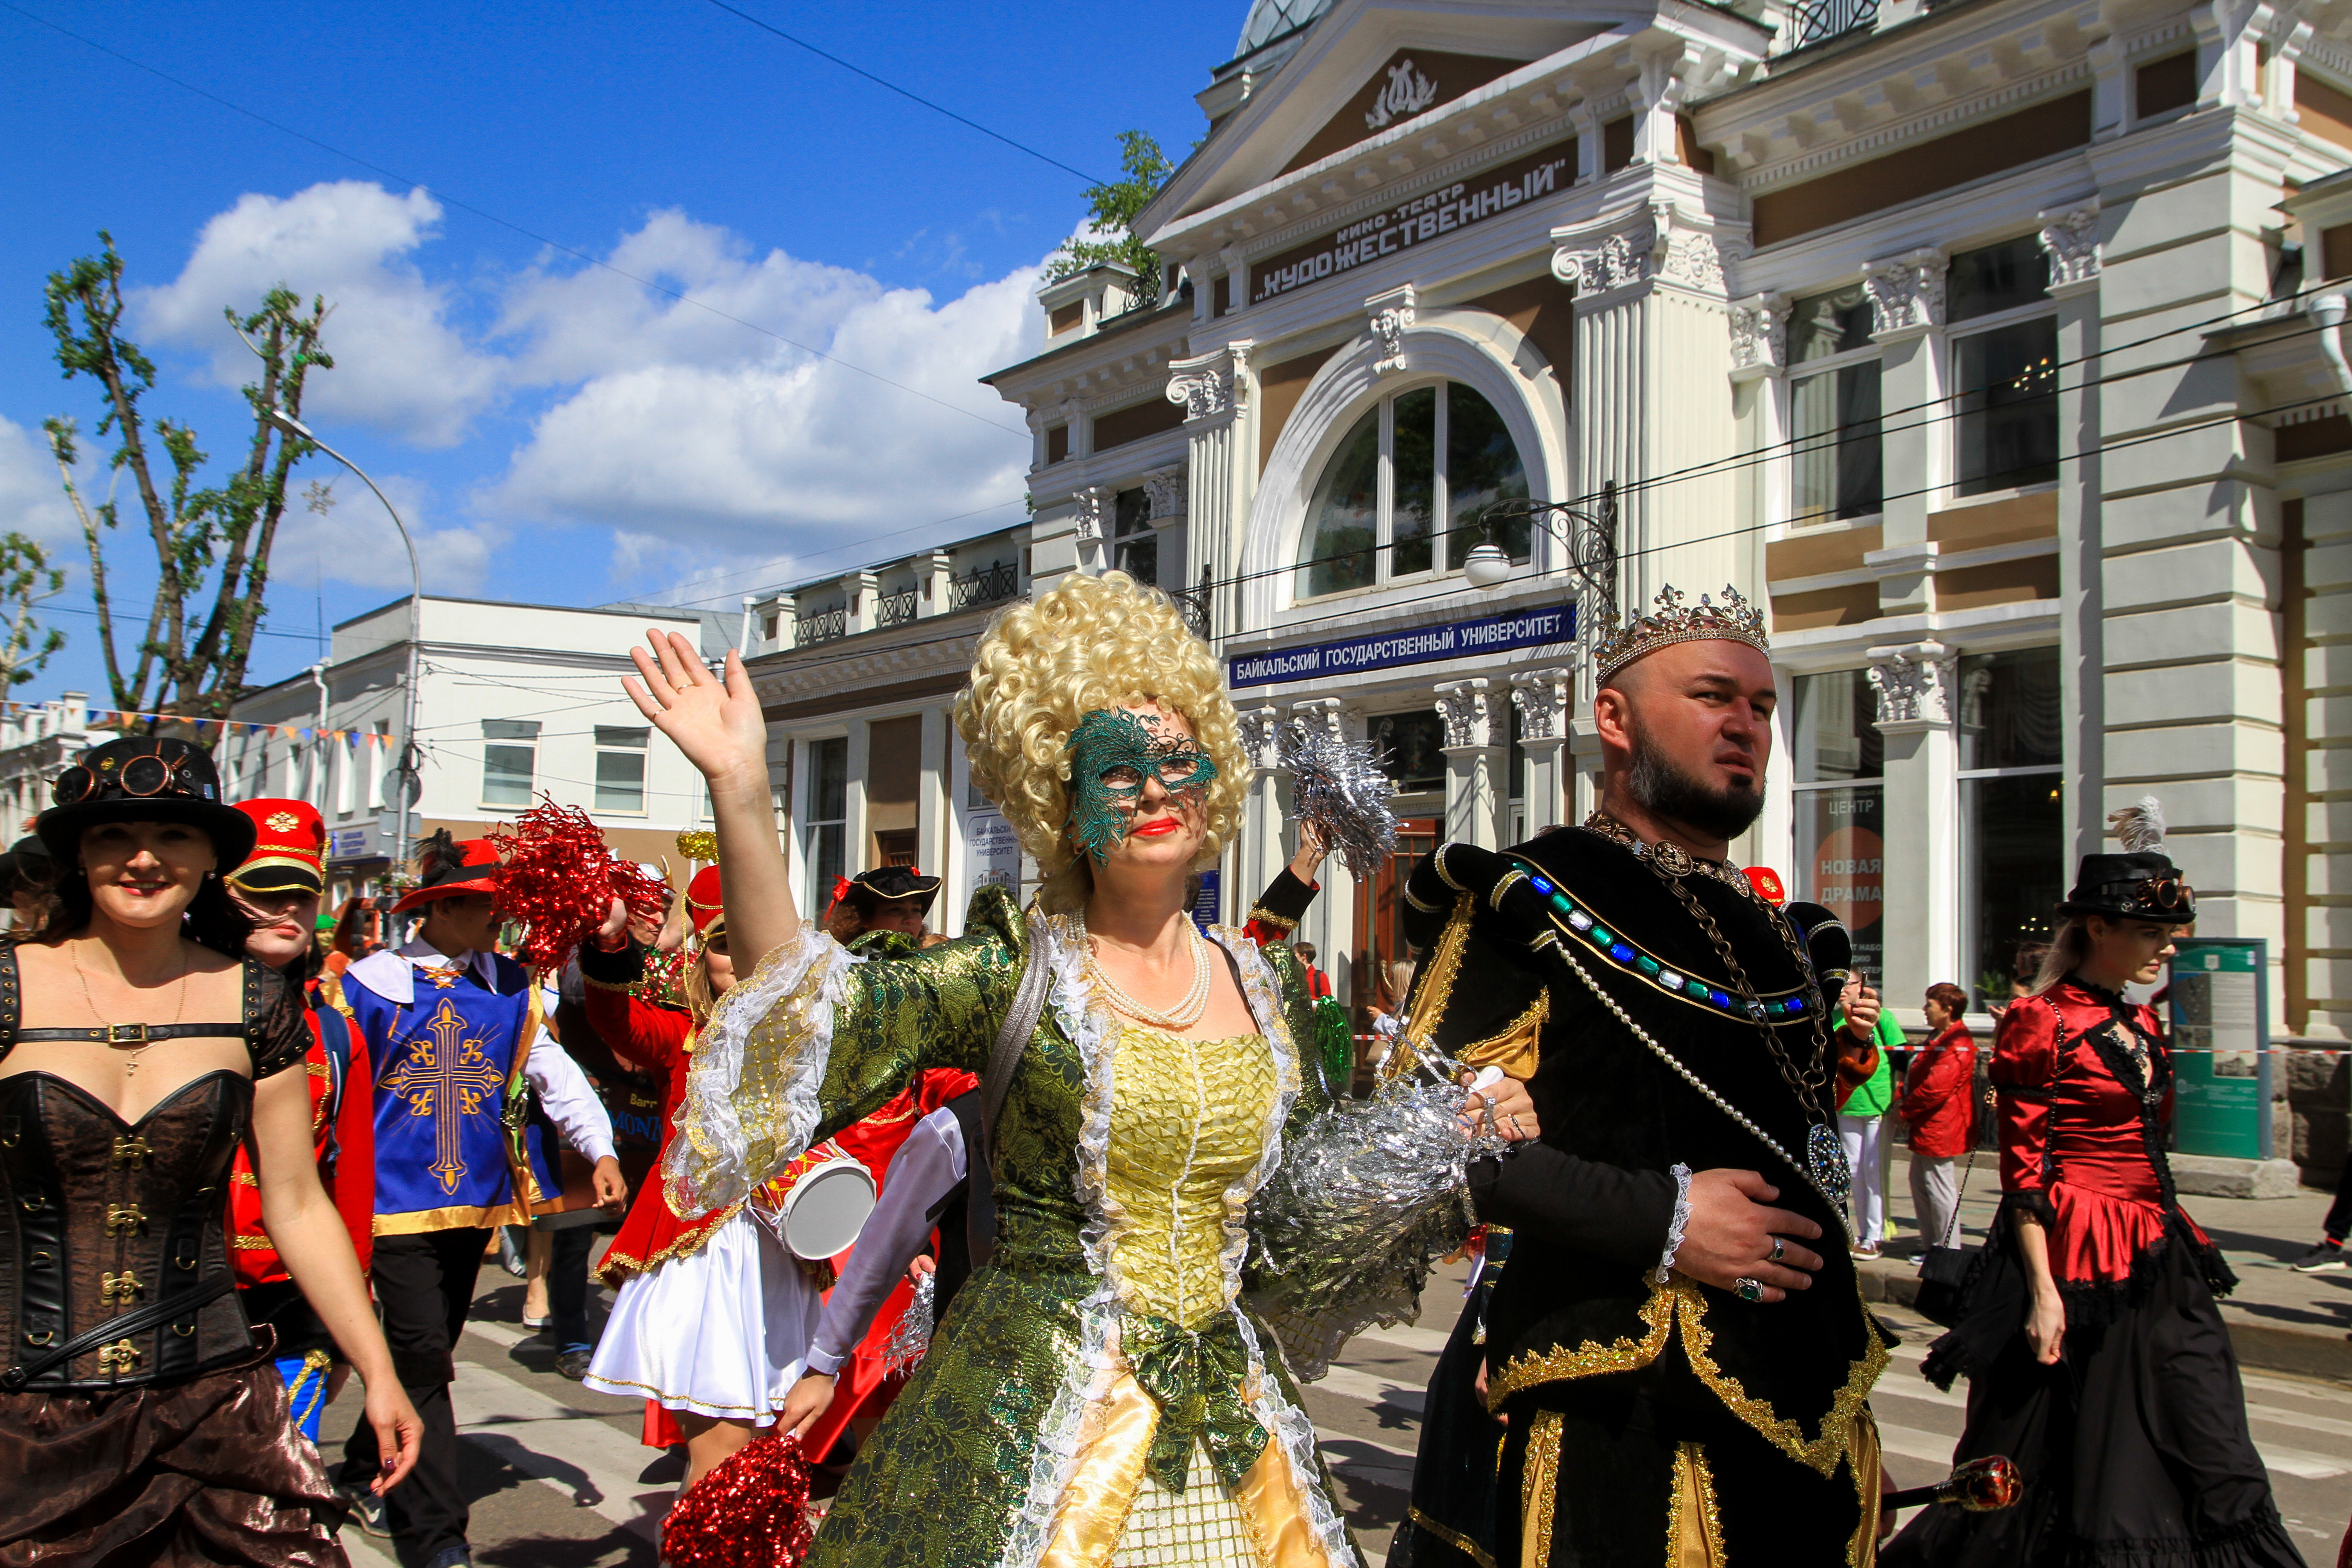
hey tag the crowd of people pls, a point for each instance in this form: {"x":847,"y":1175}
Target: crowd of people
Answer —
{"x":1108,"y":1160}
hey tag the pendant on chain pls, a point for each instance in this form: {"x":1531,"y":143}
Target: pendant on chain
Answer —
{"x":1825,"y":1152}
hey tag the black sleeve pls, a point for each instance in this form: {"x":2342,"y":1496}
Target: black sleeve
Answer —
{"x":277,"y":1035}
{"x":614,"y":971}
{"x":1602,"y":1211}
{"x":1283,"y":902}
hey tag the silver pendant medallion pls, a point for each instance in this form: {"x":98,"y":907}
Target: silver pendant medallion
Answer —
{"x":1826,"y":1154}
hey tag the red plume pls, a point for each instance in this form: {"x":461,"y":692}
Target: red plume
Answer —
{"x":559,"y":880}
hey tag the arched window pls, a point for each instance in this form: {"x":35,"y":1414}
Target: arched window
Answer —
{"x":1431,"y":453}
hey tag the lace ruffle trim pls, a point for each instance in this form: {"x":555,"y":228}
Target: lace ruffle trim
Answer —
{"x":1265,"y":997}
{"x":1289,"y":1425}
{"x":1682,"y":1175}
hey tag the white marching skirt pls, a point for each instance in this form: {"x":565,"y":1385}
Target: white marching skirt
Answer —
{"x":722,"y":1332}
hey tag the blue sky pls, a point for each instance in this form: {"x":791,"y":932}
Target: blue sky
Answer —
{"x":554,"y":432}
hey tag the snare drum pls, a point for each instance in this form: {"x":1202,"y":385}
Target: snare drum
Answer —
{"x":818,"y":1203}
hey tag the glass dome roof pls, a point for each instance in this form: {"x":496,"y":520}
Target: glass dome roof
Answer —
{"x":1272,"y":18}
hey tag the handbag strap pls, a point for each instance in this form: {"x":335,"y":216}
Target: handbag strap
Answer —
{"x":138,"y":1321}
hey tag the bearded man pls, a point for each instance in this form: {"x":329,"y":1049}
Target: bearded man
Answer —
{"x":1678,"y":1357}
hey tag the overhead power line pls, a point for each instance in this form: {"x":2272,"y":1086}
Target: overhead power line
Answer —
{"x":679,"y":295}
{"x":766,"y":26}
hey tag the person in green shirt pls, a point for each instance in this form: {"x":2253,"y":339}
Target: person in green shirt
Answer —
{"x":1866,"y":1034}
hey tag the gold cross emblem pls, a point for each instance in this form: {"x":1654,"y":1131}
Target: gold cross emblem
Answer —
{"x":446,"y":1076}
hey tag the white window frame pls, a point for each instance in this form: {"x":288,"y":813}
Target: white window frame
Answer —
{"x":643,"y":752}
{"x":530,"y":790}
{"x":1948,"y":364}
{"x":1806,"y":370}
{"x":804,"y":781}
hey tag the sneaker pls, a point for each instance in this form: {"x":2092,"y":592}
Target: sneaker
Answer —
{"x":2327,"y":1257}
{"x":453,"y":1557}
{"x":1866,"y":1250}
{"x":366,"y":1510}
{"x":573,"y":1364}
{"x":530,"y":1323}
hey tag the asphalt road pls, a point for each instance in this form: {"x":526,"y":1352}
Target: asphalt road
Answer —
{"x":559,"y":1478}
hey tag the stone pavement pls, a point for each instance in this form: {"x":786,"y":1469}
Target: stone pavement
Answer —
{"x":2278,"y":1318}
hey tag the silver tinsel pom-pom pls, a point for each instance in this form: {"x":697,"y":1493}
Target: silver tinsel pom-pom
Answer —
{"x":1367,"y":1197}
{"x":1337,"y":785}
{"x":911,"y":1340}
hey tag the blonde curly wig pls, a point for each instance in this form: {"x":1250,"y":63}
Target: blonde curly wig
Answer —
{"x":1092,"y":643}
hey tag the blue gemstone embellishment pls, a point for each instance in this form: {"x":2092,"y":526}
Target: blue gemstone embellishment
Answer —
{"x":1621,"y":953}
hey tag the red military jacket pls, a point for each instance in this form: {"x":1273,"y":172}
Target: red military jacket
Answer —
{"x":1939,"y":1093}
{"x":2081,"y":1133}
{"x":342,"y":1129}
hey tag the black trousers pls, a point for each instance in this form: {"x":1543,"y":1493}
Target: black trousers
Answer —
{"x":424,"y":1287}
{"x":567,"y":1288}
{"x":2339,"y":1224}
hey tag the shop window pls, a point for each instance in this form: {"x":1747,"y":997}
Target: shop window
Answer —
{"x":824,"y":835}
{"x":620,"y":768}
{"x":1412,"y":749}
{"x":2014,"y":834}
{"x":510,"y":749}
{"x":1838,"y":767}
{"x":1834,"y":407}
{"x":1135,"y":543}
{"x":1433,"y":452}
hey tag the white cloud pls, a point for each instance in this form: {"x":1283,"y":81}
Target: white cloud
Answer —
{"x":400,"y":365}
{"x":32,"y":501}
{"x":353,"y":542}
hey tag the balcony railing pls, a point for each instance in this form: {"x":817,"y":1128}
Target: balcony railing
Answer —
{"x":823,"y":626}
{"x":894,"y":609}
{"x":984,"y":586}
{"x":1819,"y":19}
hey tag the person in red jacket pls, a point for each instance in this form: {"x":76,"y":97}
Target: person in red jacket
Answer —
{"x":1937,"y":1105}
{"x":277,"y":887}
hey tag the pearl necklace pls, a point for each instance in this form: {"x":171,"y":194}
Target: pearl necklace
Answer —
{"x":1176,"y":1019}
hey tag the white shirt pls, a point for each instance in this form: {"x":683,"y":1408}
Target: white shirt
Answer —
{"x":580,"y":1118}
{"x":922,"y":1174}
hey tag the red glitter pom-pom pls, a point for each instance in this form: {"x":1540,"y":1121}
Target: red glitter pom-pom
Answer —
{"x":749,"y":1511}
{"x":559,"y":880}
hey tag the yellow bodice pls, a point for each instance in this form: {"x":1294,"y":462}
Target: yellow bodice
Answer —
{"x":1187,"y":1121}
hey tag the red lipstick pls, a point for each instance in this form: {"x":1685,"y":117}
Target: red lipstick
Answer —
{"x":1153,"y":828}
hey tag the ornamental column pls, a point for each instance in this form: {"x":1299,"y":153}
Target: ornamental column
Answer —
{"x":1918,"y":873}
{"x":1543,"y":698}
{"x":1906,"y":301}
{"x":1330,"y":922}
{"x":1215,"y":392}
{"x":1258,"y":848}
{"x":1475,"y":798}
{"x":1165,"y":491}
{"x":2071,"y":239}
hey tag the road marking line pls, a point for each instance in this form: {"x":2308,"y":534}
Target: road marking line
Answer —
{"x":2300,"y":1463}
{"x":2297,"y":1419}
{"x":1913,"y":1444}
{"x":1923,"y":1391}
{"x":363,"y":1553}
{"x":501,"y":1334}
{"x":1429,"y":1342}
{"x":1363,"y":1385}
{"x":1326,"y":1434}
{"x":572,"y":1451}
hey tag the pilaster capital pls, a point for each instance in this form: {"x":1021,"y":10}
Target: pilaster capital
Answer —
{"x":1654,"y":243}
{"x":1914,"y":682}
{"x":1760,"y":335}
{"x":1092,"y":502}
{"x":1906,"y":292}
{"x":1543,"y":698}
{"x":2070,"y":237}
{"x":1469,"y":713}
{"x":1166,"y":491}
{"x":1324,"y":713}
{"x":1259,"y":727}
{"x":1210,"y":386}
{"x":1392,"y":316}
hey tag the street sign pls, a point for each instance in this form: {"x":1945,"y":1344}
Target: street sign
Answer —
{"x":1205,"y":912}
{"x":2220,"y":1025}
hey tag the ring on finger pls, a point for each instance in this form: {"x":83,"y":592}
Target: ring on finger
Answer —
{"x":1748,"y":1290}
{"x":1779,"y":1249}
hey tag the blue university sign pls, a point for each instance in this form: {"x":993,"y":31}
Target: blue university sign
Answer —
{"x":1418,"y":645}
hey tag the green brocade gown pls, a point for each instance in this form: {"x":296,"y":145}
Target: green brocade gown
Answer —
{"x":1099,"y":1395}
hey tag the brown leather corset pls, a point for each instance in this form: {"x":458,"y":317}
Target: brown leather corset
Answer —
{"x":100,"y":1217}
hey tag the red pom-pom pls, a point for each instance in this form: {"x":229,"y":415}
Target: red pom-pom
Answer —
{"x":559,"y":880}
{"x":749,"y":1511}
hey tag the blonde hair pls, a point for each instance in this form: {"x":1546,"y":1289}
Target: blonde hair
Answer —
{"x":1093,"y":643}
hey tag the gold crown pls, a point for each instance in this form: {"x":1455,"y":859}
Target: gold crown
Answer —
{"x":1734,"y":620}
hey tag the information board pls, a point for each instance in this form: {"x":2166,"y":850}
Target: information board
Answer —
{"x":2220,"y":1024}
{"x":1204,"y":904}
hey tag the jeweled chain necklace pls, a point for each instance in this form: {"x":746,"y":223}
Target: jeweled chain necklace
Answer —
{"x":1176,"y":1019}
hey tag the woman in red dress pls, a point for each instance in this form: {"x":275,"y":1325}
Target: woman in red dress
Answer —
{"x":2096,"y":1355}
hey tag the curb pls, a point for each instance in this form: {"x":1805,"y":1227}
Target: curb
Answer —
{"x":2307,"y":1353}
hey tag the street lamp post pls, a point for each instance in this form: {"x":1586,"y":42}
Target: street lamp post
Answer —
{"x":1592,"y":547}
{"x":406,"y":774}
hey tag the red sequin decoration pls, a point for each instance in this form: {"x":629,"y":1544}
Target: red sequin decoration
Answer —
{"x":559,"y":880}
{"x":749,"y":1511}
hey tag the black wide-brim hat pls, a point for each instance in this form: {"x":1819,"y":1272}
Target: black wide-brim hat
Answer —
{"x":2141,"y":885}
{"x":147,"y":778}
{"x":892,"y":883}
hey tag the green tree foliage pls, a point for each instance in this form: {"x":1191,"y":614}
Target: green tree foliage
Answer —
{"x":26,"y":582}
{"x":1110,"y":233}
{"x":212,"y":542}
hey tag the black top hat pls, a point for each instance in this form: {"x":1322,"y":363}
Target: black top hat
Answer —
{"x":2141,"y":883}
{"x":146,"y":778}
{"x":895,"y":882}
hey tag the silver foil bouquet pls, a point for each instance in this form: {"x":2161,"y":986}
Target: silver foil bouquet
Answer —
{"x":1337,"y":784}
{"x":911,"y":1340}
{"x":1367,"y":1197}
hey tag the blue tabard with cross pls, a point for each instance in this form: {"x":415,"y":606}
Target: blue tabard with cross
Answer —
{"x":443,"y":1061}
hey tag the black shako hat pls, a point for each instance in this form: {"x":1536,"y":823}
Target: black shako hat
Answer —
{"x":2140,"y":884}
{"x":146,"y":778}
{"x":890,"y":883}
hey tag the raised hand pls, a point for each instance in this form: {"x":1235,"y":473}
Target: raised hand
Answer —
{"x":716,"y":724}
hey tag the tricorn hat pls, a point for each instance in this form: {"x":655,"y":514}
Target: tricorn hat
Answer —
{"x":888,"y":884}
{"x":146,"y":778}
{"x":2142,"y":883}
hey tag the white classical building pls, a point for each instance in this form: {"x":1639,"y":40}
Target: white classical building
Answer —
{"x":37,"y":742}
{"x":514,"y":703}
{"x":1986,"y":343}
